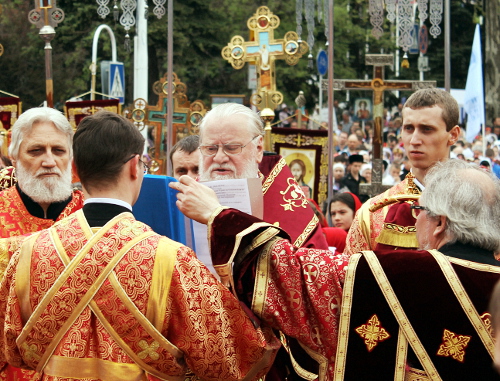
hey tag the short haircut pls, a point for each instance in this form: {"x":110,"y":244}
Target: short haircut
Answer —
{"x":225,"y":110}
{"x":102,"y":145}
{"x":188,"y":144}
{"x":29,"y":118}
{"x":436,"y":97}
{"x":392,"y":138}
{"x":462,"y":193}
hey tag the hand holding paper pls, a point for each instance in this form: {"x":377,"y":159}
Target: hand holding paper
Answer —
{"x":195,"y":200}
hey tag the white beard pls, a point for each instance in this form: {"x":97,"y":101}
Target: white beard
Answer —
{"x":250,"y":171}
{"x":45,"y":190}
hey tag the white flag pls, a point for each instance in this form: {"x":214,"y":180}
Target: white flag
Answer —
{"x":474,"y":93}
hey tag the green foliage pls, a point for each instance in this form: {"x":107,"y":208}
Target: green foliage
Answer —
{"x":201,"y":30}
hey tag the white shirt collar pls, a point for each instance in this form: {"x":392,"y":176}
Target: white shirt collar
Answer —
{"x":104,"y":200}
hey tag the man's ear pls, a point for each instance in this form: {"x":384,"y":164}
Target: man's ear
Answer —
{"x":260,"y":149}
{"x":440,"y":228}
{"x":133,"y":167}
{"x":73,"y":167}
{"x":454,"y":135}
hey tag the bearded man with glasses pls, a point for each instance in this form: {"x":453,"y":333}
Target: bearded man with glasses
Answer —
{"x":107,"y":298}
{"x":231,"y":147}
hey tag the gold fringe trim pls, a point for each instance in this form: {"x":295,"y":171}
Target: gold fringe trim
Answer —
{"x":399,"y":236}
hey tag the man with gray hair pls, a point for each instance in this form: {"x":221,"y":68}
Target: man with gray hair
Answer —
{"x":460,"y":212}
{"x":432,"y":303}
{"x":232,"y":147}
{"x":41,"y":154}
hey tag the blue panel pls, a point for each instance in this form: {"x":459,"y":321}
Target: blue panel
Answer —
{"x":156,"y":208}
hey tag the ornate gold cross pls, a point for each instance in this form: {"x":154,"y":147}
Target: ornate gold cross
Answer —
{"x":263,"y":52}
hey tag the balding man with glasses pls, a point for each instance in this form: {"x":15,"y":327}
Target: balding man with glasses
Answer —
{"x":231,"y":146}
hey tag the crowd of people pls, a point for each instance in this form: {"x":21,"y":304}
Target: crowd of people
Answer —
{"x":89,"y":292}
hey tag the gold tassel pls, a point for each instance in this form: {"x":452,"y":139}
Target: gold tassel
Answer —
{"x":405,"y":64}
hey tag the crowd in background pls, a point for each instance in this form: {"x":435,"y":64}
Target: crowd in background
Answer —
{"x":353,"y":141}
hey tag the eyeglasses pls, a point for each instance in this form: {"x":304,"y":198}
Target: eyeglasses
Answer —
{"x":415,"y":209}
{"x":228,"y":149}
{"x":146,"y":167}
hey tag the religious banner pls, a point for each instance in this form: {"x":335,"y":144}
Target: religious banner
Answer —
{"x":77,"y":110}
{"x":10,"y":109}
{"x":306,"y":153}
{"x":185,"y":120}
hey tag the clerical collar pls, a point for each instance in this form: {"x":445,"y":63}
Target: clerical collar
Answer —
{"x":105,"y":200}
{"x":418,"y":183}
{"x":33,"y":208}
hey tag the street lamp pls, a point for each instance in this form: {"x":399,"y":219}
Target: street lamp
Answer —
{"x":46,"y":16}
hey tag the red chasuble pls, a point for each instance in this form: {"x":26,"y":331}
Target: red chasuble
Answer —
{"x":286,"y":206}
{"x":416,"y":314}
{"x":122,"y":303}
{"x":17,"y":222}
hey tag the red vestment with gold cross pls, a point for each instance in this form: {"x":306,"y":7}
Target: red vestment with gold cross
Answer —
{"x":417,"y":315}
{"x":124,"y":303}
{"x":15,"y":220}
{"x":294,"y":290}
{"x":286,"y":206}
{"x":15,"y":224}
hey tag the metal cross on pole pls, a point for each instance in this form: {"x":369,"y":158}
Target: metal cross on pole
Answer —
{"x":46,"y":17}
{"x":378,"y":85}
{"x":263,"y":52}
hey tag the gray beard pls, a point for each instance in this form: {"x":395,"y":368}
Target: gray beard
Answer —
{"x":45,"y":190}
{"x":250,"y":171}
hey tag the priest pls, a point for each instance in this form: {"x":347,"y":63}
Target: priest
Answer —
{"x":101,"y":296}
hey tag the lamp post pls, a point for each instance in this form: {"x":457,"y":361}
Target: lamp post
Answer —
{"x":46,"y":17}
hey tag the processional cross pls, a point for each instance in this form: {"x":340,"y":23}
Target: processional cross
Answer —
{"x":263,"y":52}
{"x":46,"y":16}
{"x":378,"y":85}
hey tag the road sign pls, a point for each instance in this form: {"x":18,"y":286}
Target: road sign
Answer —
{"x":414,"y":37}
{"x":117,"y":81}
{"x":423,"y":63}
{"x":423,"y":39}
{"x":322,"y":62}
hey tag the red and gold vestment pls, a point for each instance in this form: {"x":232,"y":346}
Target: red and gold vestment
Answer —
{"x":122,"y":303}
{"x":417,"y":315}
{"x":367,"y":225}
{"x":15,"y":219}
{"x":286,"y":206}
{"x":296,"y":291}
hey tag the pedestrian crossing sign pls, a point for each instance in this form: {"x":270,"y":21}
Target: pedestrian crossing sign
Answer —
{"x":117,"y":81}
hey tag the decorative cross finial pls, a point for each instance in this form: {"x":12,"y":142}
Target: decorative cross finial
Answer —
{"x":46,"y":14}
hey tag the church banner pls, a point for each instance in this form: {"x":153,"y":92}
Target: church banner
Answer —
{"x":306,"y":153}
{"x":10,"y":109}
{"x":76,"y":111}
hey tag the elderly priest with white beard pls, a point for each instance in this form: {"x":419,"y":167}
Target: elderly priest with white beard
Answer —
{"x":41,"y":153}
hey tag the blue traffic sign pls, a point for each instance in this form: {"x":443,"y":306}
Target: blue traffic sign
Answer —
{"x":117,"y":81}
{"x":322,"y":62}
